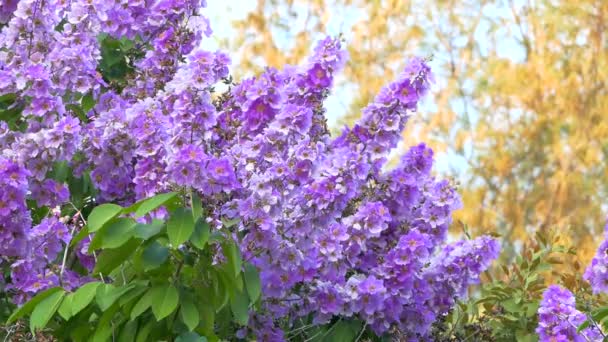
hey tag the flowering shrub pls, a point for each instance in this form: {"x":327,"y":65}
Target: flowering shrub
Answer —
{"x":558,"y":318}
{"x":597,"y":272}
{"x":116,"y":102}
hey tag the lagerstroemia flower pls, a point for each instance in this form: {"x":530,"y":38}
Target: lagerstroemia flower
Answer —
{"x":597,"y":272}
{"x":331,"y":232}
{"x":15,"y":220}
{"x":558,"y":318}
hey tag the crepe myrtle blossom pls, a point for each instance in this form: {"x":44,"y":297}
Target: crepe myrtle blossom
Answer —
{"x":330,"y":230}
{"x":597,"y":272}
{"x":558,"y":318}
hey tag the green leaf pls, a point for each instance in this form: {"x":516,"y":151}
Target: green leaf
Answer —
{"x":136,"y":292}
{"x":344,"y":331}
{"x":142,"y":305}
{"x":109,"y":259}
{"x":197,"y":207}
{"x":200,"y":236}
{"x":190,"y":337}
{"x":65,"y":310}
{"x":31,"y":304}
{"x":233,"y":255}
{"x":511,"y":305}
{"x":532,"y":309}
{"x":230,"y":222}
{"x":78,"y":332}
{"x":126,"y":44}
{"x":154,"y":255}
{"x":147,"y":205}
{"x":583,"y":326}
{"x":220,"y":295}
{"x":88,"y":102}
{"x":239,"y":304}
{"x":110,"y":51}
{"x":7,"y":98}
{"x":144,"y":332}
{"x":101,"y":215}
{"x":189,"y":314}
{"x":525,"y":336}
{"x":128,"y":332}
{"x":600,"y":314}
{"x":76,"y":109}
{"x":60,"y":171}
{"x":79,"y":237}
{"x":164,"y":300}
{"x":104,"y":328}
{"x":107,"y":294}
{"x":45,"y":310}
{"x":116,"y":233}
{"x":146,"y":231}
{"x":180,"y":226}
{"x":252,"y":282}
{"x":207,"y":318}
{"x":83,"y":296}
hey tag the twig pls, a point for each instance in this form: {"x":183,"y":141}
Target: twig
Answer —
{"x":361,"y":333}
{"x":9,"y":332}
{"x":325,"y":334}
{"x":65,"y":254}
{"x":295,"y":332}
{"x":85,"y":223}
{"x":572,"y":325}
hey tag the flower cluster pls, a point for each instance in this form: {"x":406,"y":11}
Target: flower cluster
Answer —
{"x":558,"y":318}
{"x":362,"y":242}
{"x":15,"y":219}
{"x":597,"y":272}
{"x":50,"y":62}
{"x":332,"y":232}
{"x":36,"y":271}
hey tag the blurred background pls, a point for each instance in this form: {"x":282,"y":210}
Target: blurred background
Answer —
{"x":519,"y":112}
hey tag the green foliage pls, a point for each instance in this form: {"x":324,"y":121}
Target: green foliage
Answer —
{"x":337,"y":330}
{"x":10,"y":112}
{"x":180,"y":226}
{"x":156,"y":280}
{"x":506,"y":307}
{"x":28,"y":307}
{"x":597,"y":318}
{"x":101,"y":215}
{"x":117,"y":56}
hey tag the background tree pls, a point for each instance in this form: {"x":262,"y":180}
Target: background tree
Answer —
{"x":521,"y":96}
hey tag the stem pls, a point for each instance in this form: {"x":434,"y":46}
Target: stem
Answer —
{"x":361,"y":333}
{"x":9,"y":332}
{"x":304,"y":327}
{"x":100,"y":275}
{"x":326,"y":333}
{"x":122,"y":273}
{"x":85,"y":223}
{"x":575,"y":327}
{"x":65,"y":254}
{"x":179,"y":269}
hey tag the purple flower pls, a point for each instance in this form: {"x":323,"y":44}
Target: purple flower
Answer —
{"x":332,"y":232}
{"x":318,"y":76}
{"x":220,"y":176}
{"x":597,"y":272}
{"x":558,"y":318}
{"x":372,"y":218}
{"x":371,"y":296}
{"x":15,"y":220}
{"x":50,"y":193}
{"x":7,"y":9}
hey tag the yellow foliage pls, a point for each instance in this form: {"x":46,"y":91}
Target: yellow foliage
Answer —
{"x":521,"y":97}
